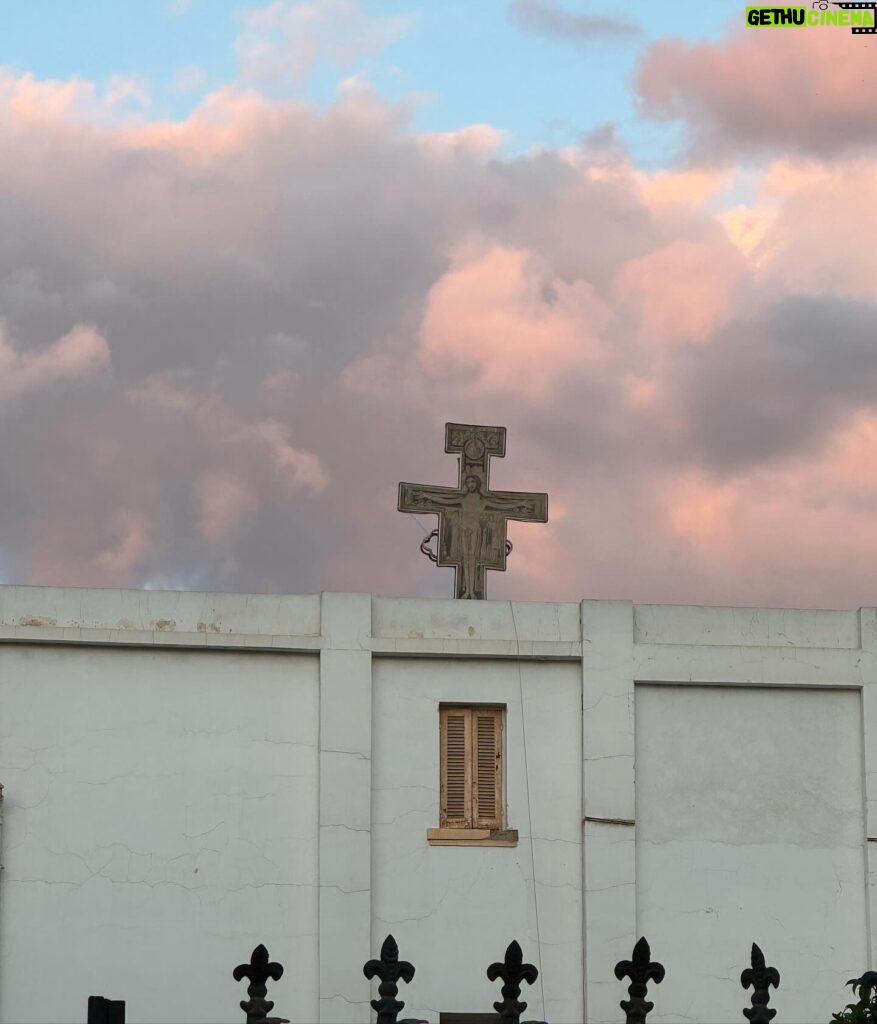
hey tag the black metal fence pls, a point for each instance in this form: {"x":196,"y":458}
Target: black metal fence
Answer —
{"x":512,"y":971}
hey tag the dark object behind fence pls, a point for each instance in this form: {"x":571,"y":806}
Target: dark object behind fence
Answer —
{"x":105,"y":1011}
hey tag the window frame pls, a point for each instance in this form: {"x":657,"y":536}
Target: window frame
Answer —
{"x":470,"y":826}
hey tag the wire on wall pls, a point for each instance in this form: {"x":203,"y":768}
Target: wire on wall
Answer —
{"x":529,"y":807}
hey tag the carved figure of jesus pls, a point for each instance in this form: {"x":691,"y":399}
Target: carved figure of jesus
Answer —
{"x":473,"y":518}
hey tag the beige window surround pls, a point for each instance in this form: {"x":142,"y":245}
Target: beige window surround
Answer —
{"x":472,"y":836}
{"x":472,"y":788}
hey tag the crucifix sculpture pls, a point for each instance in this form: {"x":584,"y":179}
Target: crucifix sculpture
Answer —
{"x":473,"y":519}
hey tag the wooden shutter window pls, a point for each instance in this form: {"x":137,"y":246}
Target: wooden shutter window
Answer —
{"x":488,"y":774}
{"x":456,"y":779}
{"x":471,"y":767}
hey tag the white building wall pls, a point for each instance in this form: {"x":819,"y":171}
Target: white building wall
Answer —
{"x":160,"y":811}
{"x":189,"y":774}
{"x":450,"y":907}
{"x":750,"y":822}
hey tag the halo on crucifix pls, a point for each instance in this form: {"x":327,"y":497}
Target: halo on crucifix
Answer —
{"x":472,"y":519}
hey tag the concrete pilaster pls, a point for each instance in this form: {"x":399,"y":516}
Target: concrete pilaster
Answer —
{"x":609,"y":839}
{"x":345,"y":808}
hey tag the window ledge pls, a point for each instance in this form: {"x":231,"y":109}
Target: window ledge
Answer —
{"x":472,"y":836}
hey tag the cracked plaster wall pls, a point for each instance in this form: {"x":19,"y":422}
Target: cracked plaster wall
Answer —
{"x":750,"y":827}
{"x":453,"y":910}
{"x":160,"y":819}
{"x":165,"y":791}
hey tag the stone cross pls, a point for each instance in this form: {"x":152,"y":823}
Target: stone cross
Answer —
{"x":473,"y":519}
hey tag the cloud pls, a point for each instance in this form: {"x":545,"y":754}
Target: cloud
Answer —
{"x":547,"y":18}
{"x":282,"y":43}
{"x":225,"y":505}
{"x":475,"y":139}
{"x":804,"y":91}
{"x":126,"y":91}
{"x":80,"y":354}
{"x":777,"y":383}
{"x":497,"y":322}
{"x":798,"y":517}
{"x":27,"y":99}
{"x":684,"y":290}
{"x":298,"y":297}
{"x":294,"y":467}
{"x":129,"y":545}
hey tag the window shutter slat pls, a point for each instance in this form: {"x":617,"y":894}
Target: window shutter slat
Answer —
{"x":488,"y":769}
{"x":456,"y":785}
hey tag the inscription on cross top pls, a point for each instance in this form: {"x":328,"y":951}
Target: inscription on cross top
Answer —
{"x":473,"y":519}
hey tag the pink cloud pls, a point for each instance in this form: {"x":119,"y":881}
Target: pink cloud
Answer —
{"x":776,"y":531}
{"x":684,"y":359}
{"x":32,"y":100}
{"x":475,"y":139}
{"x":298,"y":467}
{"x":77,"y":356}
{"x":129,"y":545}
{"x":226,"y":504}
{"x":816,"y":224}
{"x":806,"y":90}
{"x":114,"y":554}
{"x":684,"y":291}
{"x":294,"y":467}
{"x":500,"y":322}
{"x":703,"y":511}
{"x":27,"y":98}
{"x":684,"y":187}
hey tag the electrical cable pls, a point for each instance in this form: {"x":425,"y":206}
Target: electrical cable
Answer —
{"x":529,"y":808}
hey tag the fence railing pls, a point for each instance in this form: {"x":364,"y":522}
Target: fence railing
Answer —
{"x":641,"y":971}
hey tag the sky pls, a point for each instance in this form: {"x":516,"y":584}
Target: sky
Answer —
{"x":456,"y":62}
{"x":252,"y":259}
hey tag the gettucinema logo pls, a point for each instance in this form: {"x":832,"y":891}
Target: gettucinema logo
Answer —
{"x":858,"y":16}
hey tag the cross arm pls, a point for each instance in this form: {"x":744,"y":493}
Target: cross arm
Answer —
{"x":427,"y":498}
{"x":525,"y":506}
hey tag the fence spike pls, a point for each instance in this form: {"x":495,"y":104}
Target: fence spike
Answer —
{"x":390,"y":969}
{"x":641,"y":969}
{"x":259,"y":970}
{"x":512,"y":971}
{"x":759,"y":977}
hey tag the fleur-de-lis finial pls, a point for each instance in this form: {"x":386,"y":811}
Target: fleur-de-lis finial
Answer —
{"x":390,"y":969}
{"x":512,"y":971}
{"x":258,"y":971}
{"x":641,"y":970}
{"x":759,"y":977}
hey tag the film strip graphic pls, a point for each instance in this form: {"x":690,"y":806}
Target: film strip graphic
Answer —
{"x":860,"y":30}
